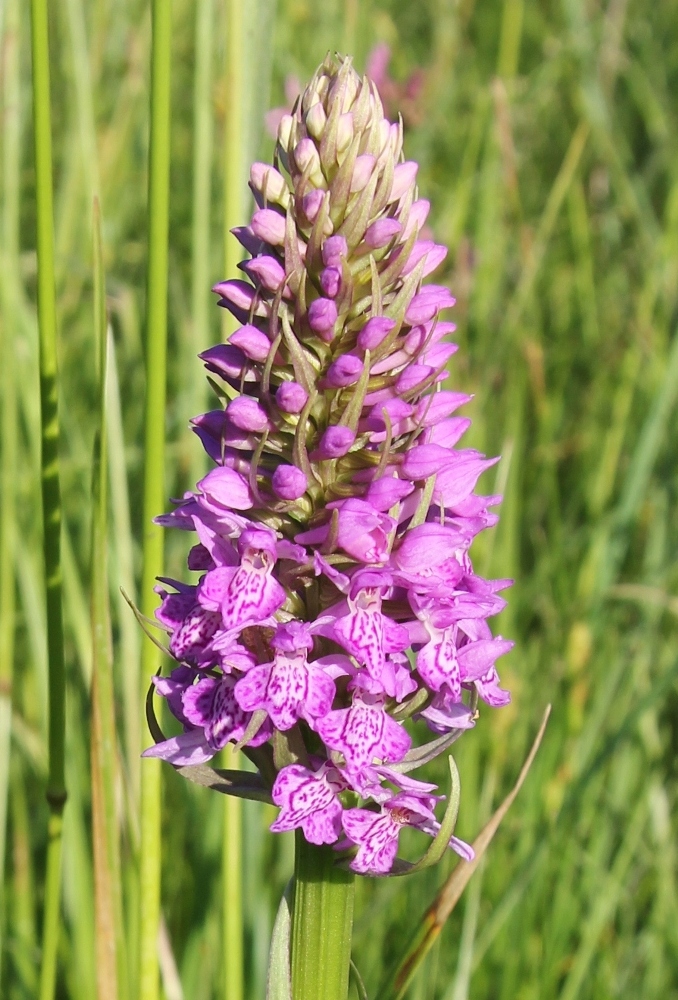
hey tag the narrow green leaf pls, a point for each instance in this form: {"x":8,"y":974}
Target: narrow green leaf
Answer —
{"x":279,"y":979}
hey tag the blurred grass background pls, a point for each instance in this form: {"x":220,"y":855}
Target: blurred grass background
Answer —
{"x":547,"y":140}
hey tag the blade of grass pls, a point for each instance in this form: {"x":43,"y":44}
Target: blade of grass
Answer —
{"x":10,"y":41}
{"x":154,"y":474}
{"x":231,"y":862}
{"x":111,"y":963}
{"x":51,"y":494}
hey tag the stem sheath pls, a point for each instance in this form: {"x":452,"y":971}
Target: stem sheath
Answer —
{"x":321,"y":925}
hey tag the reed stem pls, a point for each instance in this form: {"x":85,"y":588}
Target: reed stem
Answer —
{"x":8,"y":294}
{"x":154,"y":475}
{"x":51,"y":494}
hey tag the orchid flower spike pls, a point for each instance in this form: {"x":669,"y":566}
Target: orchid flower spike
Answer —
{"x":335,"y":597}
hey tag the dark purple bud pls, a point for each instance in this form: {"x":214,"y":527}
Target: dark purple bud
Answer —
{"x":322,"y":315}
{"x":382,"y":232}
{"x":291,"y":397}
{"x":288,"y":482}
{"x":246,"y":238}
{"x":269,"y":226}
{"x":344,"y":371}
{"x":237,"y":293}
{"x":403,"y":177}
{"x":311,"y":203}
{"x":227,"y":361}
{"x":330,"y":281}
{"x":424,"y":461}
{"x":427,"y":302}
{"x":247,"y":414}
{"x":336,"y":441}
{"x":266,"y":271}
{"x":362,"y":171}
{"x":385,"y":491}
{"x":252,"y":342}
{"x":334,"y":249}
{"x":374,"y":331}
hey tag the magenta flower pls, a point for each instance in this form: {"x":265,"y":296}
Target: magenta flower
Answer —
{"x":336,"y":596}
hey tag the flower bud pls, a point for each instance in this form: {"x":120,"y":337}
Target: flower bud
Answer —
{"x":322,"y":315}
{"x":424,"y":460}
{"x":344,"y":132}
{"x":307,"y":160}
{"x":266,"y":270}
{"x":417,"y":217}
{"x":315,"y":120}
{"x":252,"y":342}
{"x":228,"y":362}
{"x":362,"y":171}
{"x":381,"y":232}
{"x":336,"y":442}
{"x":285,"y":131}
{"x":288,"y":482}
{"x":330,"y":281}
{"x":237,"y":293}
{"x":374,"y":331}
{"x":427,"y":302}
{"x":433,"y":254}
{"x":247,"y":414}
{"x":382,"y":493}
{"x":291,"y":397}
{"x":344,"y":371}
{"x":403,"y":178}
{"x":311,"y":203}
{"x":333,"y":250}
{"x":269,"y":226}
{"x":269,"y":183}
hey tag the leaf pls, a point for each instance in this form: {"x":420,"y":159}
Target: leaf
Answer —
{"x":241,"y":784}
{"x":279,"y":978}
{"x":423,"y":754}
{"x":440,"y":909}
{"x":441,"y":841}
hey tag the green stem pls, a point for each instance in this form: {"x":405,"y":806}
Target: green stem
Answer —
{"x":321,"y":925}
{"x":154,"y":475}
{"x":51,"y":495}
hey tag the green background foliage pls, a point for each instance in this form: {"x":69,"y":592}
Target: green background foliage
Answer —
{"x":547,"y":140}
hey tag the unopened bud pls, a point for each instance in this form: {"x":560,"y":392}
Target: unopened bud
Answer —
{"x":289,"y":482}
{"x":315,"y":120}
{"x":322,"y":315}
{"x":336,"y":442}
{"x":291,"y":397}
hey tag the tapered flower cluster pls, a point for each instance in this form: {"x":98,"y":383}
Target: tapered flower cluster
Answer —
{"x":335,"y":597}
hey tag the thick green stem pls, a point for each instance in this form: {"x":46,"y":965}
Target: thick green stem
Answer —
{"x":321,"y":925}
{"x":154,"y":475}
{"x":51,"y":494}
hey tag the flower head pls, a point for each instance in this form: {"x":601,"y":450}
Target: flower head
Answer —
{"x":336,"y":597}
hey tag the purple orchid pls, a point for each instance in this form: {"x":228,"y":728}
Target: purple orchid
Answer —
{"x":336,"y":596}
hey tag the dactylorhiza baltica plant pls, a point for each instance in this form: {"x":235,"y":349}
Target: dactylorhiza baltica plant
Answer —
{"x":334,"y":598}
